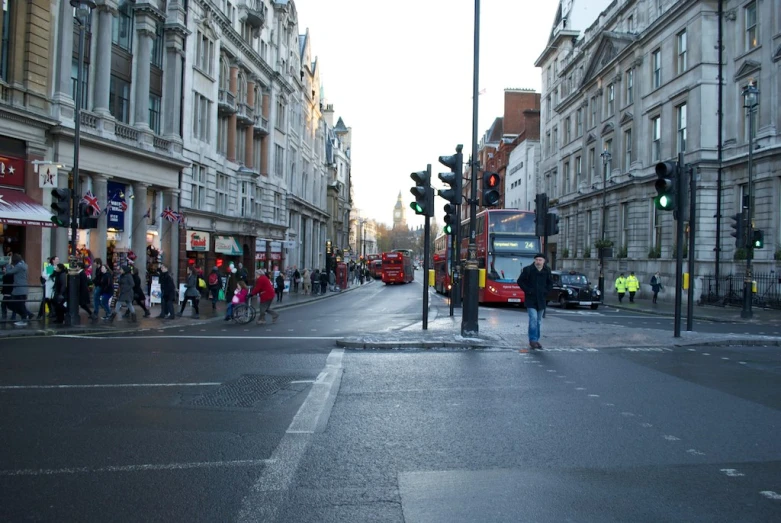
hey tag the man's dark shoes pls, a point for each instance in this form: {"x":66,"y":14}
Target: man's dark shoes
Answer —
{"x":535,"y":345}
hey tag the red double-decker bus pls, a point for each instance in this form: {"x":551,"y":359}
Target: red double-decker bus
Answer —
{"x":397,"y":268}
{"x":506,"y":243}
{"x":442,"y":263}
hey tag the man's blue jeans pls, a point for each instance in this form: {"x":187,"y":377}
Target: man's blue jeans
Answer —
{"x":535,"y":323}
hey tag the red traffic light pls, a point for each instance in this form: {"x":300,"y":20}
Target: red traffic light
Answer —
{"x":492,"y":180}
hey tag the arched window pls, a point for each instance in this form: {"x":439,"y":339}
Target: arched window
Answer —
{"x":241,"y":88}
{"x":225,"y":74}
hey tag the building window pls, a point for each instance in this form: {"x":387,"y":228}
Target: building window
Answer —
{"x":198,"y":188}
{"x":154,"y":113}
{"x":630,"y":86}
{"x":680,"y":114}
{"x":752,"y":28}
{"x":656,"y":240}
{"x":592,"y":174}
{"x":608,"y":164}
{"x":555,"y":139}
{"x":279,"y":160}
{"x":656,"y":134}
{"x":158,"y":45}
{"x":247,"y":200}
{"x":656,"y":69}
{"x":548,"y":111}
{"x":5,"y":37}
{"x":579,"y":123}
{"x":547,"y":143}
{"x":578,"y":165}
{"x":201,"y":117}
{"x":682,"y":52}
{"x":611,"y":99}
{"x":241,"y":144}
{"x":567,"y":181}
{"x":119,"y":99}
{"x":627,"y":149}
{"x":624,"y":225}
{"x":593,"y":121}
{"x":277,"y":208}
{"x":122,"y":27}
{"x":280,"y":115}
{"x":204,"y":53}
{"x":566,"y":137}
{"x":222,"y":135}
{"x":630,"y":24}
{"x":84,"y":81}
{"x":587,"y":231}
{"x":222,"y":194}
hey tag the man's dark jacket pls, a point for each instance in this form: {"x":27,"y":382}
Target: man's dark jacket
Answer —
{"x":535,"y":285}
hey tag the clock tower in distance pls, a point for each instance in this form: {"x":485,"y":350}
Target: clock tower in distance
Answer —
{"x":399,"y":219}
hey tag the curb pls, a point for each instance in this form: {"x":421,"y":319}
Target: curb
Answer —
{"x":82,"y":330}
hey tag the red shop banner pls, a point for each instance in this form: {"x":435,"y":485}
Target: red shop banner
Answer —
{"x":11,"y":171}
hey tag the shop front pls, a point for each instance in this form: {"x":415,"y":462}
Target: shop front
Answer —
{"x":196,"y":246}
{"x":228,"y":249}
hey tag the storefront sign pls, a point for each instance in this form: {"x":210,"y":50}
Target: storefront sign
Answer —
{"x":260,"y":256}
{"x":47,"y":176}
{"x":116,"y":206}
{"x":260,"y":245}
{"x":227,"y":245}
{"x":11,"y":171}
{"x":156,"y":293}
{"x":197,"y":241}
{"x":276,"y":250}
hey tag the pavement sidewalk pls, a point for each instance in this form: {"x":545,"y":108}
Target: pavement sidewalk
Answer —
{"x":120,"y":324}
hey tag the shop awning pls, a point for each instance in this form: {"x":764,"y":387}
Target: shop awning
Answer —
{"x":16,"y":208}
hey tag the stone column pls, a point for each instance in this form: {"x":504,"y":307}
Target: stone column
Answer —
{"x":249,"y":138}
{"x":97,"y":237}
{"x":172,"y":82}
{"x":106,"y":14}
{"x":62,"y":90}
{"x":169,"y":241}
{"x":145,"y":33}
{"x":140,"y":205}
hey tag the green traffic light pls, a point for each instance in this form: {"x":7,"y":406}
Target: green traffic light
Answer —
{"x":664,"y":202}
{"x":448,"y":229}
{"x":416,"y":207}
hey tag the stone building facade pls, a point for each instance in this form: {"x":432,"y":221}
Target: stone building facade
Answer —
{"x":636,"y":86}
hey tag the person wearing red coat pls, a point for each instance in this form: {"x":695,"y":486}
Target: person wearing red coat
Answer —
{"x":265,"y":290}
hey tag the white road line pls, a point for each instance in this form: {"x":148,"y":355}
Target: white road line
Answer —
{"x":671,"y":438}
{"x":110,"y":385}
{"x":137,"y":468}
{"x":733,"y":473}
{"x":695,"y":452}
{"x":267,"y":494}
{"x":769,"y":494}
{"x":220,"y":337}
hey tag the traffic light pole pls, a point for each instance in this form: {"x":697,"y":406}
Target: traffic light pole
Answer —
{"x":692,"y":221}
{"x":469,"y":327}
{"x":680,"y":180}
{"x":426,"y":254}
{"x":747,"y":280}
{"x":73,"y":269}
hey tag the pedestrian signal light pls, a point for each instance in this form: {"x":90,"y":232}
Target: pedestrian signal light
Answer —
{"x":758,"y":238}
{"x":552,"y":224}
{"x":450,"y":218}
{"x":491,"y":183}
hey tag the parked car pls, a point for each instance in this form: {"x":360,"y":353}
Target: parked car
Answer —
{"x":571,"y":288}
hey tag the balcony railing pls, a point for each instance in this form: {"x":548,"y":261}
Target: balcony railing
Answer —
{"x":161,"y":143}
{"x":245,"y":113}
{"x":261,"y":124}
{"x":125,"y":131}
{"x":226,"y":101}
{"x":256,"y":12}
{"x":89,"y":120}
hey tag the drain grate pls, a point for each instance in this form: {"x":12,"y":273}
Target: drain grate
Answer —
{"x":243,"y":392}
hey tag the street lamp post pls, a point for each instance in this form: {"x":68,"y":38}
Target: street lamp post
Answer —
{"x":83,"y":10}
{"x":606,"y":158}
{"x":750,"y":101}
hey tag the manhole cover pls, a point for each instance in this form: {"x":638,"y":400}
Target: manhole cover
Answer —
{"x":243,"y":392}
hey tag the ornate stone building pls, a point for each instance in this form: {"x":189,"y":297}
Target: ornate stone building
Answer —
{"x":635,"y":84}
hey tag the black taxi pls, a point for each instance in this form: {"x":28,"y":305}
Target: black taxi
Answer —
{"x":571,"y":288}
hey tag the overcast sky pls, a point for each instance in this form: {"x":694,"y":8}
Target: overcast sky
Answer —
{"x":400,"y":74}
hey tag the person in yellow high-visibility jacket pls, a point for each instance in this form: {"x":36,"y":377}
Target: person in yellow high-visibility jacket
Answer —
{"x":632,"y":285}
{"x":621,"y":287}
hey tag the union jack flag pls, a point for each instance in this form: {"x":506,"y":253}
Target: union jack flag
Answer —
{"x":169,"y":215}
{"x":92,"y":201}
{"x":180,"y":218}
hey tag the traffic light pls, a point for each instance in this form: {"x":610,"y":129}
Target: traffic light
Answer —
{"x":61,"y":205}
{"x":758,"y":238}
{"x":491,"y":195}
{"x":552,"y":223}
{"x":739,"y":226}
{"x":87,"y":220}
{"x":454,"y":178}
{"x":666,"y":181}
{"x":424,"y":196}
{"x":450,"y":218}
{"x":540,"y":212}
